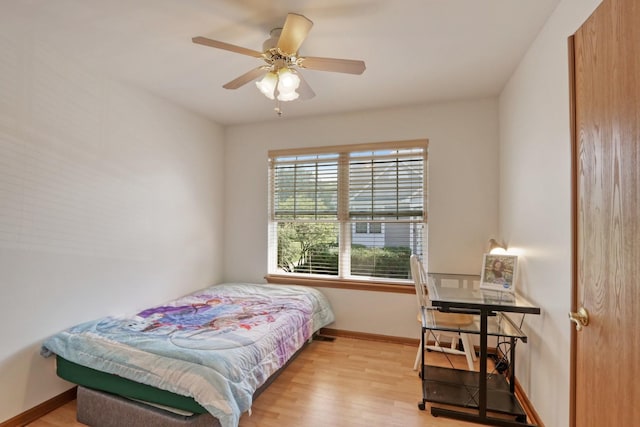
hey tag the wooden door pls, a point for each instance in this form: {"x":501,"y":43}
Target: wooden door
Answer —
{"x":606,"y":155}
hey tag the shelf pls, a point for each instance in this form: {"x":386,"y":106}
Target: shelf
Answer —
{"x":460,"y":388}
{"x":498,"y":325}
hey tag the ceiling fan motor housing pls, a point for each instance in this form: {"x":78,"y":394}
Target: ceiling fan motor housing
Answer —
{"x":272,"y":41}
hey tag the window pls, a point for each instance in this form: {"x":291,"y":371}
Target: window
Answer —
{"x":361,"y":227}
{"x":368,"y":227}
{"x":348,"y":212}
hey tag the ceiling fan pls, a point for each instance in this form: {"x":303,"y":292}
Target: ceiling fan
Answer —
{"x":281,"y":79}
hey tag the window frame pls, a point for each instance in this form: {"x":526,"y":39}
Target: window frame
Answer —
{"x":351,"y":282}
{"x":374,"y":227}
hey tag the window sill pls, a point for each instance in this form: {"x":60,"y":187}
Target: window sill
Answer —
{"x":360,"y":285}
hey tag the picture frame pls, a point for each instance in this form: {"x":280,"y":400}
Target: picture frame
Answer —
{"x":499,"y":272}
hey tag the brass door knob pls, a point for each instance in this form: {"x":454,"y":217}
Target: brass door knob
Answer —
{"x":581,"y":318}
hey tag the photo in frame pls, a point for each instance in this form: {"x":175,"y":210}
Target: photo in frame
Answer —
{"x":499,"y":272}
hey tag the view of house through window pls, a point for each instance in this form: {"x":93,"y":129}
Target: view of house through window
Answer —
{"x":353,"y":211}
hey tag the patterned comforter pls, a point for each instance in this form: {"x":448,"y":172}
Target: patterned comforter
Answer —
{"x":217,"y":345}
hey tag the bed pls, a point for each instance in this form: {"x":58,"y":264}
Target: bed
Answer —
{"x":214,"y":349}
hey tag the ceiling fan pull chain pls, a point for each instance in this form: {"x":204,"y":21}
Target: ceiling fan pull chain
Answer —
{"x":277,"y":108}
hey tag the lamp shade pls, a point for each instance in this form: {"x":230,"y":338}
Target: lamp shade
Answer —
{"x":288,"y":82}
{"x":288,"y":79}
{"x":268,"y":84}
{"x":285,"y":80}
{"x":288,"y":96}
{"x":497,"y":248}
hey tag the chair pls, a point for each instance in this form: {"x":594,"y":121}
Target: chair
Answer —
{"x":450,"y":320}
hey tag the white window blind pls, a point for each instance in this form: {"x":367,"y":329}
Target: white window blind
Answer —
{"x":386,"y":185}
{"x":348,"y":211}
{"x":305,"y":187}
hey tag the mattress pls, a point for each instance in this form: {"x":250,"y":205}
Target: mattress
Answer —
{"x":92,"y":379}
{"x":99,"y":380}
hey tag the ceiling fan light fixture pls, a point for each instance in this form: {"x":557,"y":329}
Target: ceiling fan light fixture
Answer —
{"x":291,"y":95}
{"x":268,"y":84}
{"x":288,"y":82}
{"x":288,"y":79}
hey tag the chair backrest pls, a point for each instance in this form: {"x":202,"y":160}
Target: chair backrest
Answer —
{"x":419,"y":277}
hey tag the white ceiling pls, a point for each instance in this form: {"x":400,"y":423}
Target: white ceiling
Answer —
{"x":416,"y":51}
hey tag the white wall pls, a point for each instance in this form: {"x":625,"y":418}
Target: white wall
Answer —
{"x":109,"y":202}
{"x":463,"y":188}
{"x":535,"y":210}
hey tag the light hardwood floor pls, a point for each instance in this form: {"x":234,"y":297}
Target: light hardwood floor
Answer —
{"x":341,"y":383}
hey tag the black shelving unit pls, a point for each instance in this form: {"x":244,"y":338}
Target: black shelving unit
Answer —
{"x":486,"y":398}
{"x":460,"y":388}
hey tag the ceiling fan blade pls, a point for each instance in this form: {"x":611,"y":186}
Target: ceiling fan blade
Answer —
{"x":246,"y":78}
{"x":304,"y":89}
{"x":295,"y":30}
{"x":349,"y":66}
{"x":226,"y":46}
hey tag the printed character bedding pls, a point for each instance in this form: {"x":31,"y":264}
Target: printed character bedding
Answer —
{"x":217,"y":345}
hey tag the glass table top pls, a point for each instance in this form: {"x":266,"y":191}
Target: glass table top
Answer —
{"x":451,"y":292}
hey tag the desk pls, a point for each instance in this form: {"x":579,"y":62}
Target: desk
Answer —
{"x":459,"y":388}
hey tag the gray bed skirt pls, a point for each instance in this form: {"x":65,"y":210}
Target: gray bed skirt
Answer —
{"x":99,"y":409}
